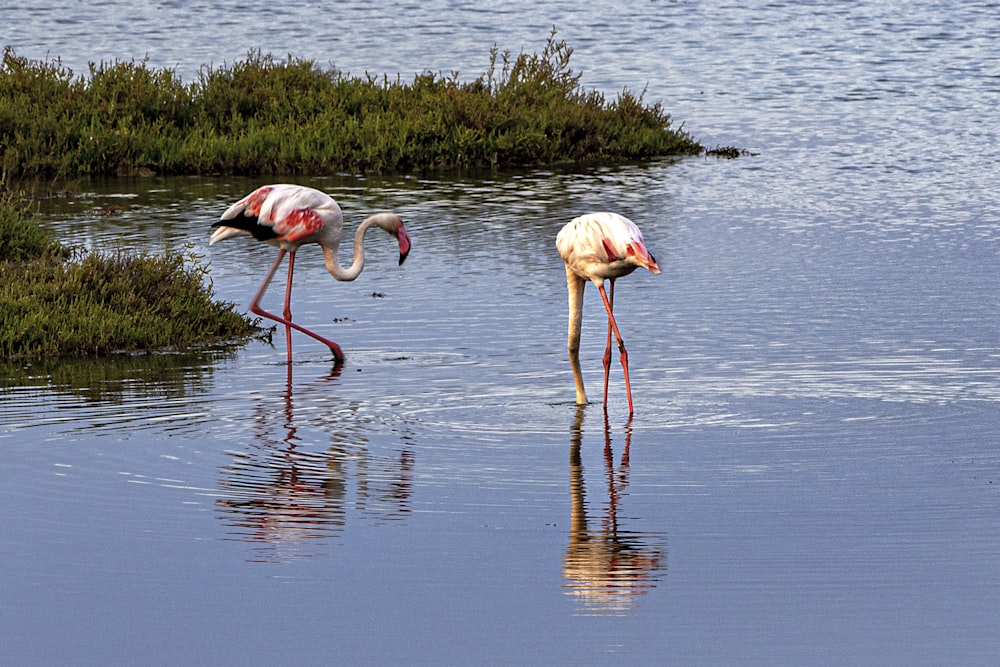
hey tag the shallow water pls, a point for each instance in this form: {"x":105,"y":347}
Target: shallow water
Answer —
{"x":812,"y":472}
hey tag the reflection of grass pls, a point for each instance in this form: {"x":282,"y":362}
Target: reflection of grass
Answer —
{"x":262,"y":116}
{"x":55,"y":301}
{"x":117,"y":378}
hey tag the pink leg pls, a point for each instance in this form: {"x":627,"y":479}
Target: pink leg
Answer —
{"x":621,"y":348}
{"x":287,"y":312}
{"x":255,"y":308}
{"x":607,"y":348}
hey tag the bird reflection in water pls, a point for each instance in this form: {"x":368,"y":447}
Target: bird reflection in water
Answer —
{"x":606,"y":566}
{"x":285,"y":497}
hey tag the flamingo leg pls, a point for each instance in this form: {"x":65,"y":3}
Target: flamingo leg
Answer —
{"x":621,"y":348}
{"x":255,"y":308}
{"x":607,"y":349}
{"x":287,"y":312}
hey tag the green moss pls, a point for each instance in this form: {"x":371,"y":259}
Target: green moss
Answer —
{"x":262,"y":116}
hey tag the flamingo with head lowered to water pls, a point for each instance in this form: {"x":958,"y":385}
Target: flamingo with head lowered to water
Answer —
{"x":598,"y":247}
{"x":289,"y":216}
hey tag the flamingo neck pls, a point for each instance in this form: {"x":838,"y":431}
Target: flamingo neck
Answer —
{"x":354,"y":270}
{"x":575,"y":285}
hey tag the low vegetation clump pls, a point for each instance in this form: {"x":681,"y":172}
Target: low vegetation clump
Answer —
{"x":21,"y":239}
{"x":56,"y":301}
{"x":267,"y":116}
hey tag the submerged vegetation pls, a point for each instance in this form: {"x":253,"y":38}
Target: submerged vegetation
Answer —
{"x":267,"y":116}
{"x":56,"y":301}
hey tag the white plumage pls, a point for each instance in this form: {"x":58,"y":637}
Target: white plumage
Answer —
{"x":598,"y":247}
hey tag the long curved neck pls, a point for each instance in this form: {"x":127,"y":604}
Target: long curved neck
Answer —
{"x":575,"y":285}
{"x":354,"y":270}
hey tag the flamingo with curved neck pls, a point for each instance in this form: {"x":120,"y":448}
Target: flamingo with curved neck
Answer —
{"x":289,"y":216}
{"x":598,"y":247}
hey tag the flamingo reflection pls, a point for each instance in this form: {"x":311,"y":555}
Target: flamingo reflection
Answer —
{"x":606,"y":566}
{"x":282,"y":495}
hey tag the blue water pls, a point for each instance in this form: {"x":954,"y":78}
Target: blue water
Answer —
{"x":812,"y":474}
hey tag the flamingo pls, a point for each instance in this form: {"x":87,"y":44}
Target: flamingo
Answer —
{"x":288,"y":216}
{"x":599,"y":247}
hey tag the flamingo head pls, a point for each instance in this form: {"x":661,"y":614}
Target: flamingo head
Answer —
{"x":637,"y":253}
{"x":393,"y":226}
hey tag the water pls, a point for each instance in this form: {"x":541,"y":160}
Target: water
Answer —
{"x":812,"y":474}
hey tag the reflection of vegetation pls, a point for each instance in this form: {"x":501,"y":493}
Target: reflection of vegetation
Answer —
{"x":606,"y":566}
{"x":116,"y":378}
{"x":54,"y":301}
{"x":266,"y":116}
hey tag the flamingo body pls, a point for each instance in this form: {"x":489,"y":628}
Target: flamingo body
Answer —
{"x":290,"y":216}
{"x":285,"y":215}
{"x":597,"y":247}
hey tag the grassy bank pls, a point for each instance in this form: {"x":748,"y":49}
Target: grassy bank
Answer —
{"x":267,"y":116}
{"x":56,"y":301}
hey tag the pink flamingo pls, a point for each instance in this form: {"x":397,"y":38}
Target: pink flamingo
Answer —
{"x":599,"y":247}
{"x":290,"y":215}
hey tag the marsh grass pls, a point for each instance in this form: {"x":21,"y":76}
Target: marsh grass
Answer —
{"x":267,"y":116}
{"x":21,"y":239}
{"x":56,"y":301}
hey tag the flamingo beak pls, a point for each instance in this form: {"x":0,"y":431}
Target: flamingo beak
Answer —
{"x":404,"y":244}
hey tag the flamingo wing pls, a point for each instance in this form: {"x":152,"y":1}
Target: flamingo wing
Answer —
{"x":282,"y":213}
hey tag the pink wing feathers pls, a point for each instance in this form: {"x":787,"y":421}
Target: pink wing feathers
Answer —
{"x":281,"y":214}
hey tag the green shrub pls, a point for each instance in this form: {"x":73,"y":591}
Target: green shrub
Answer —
{"x":56,"y":302}
{"x":20,"y":237}
{"x":265,"y":116}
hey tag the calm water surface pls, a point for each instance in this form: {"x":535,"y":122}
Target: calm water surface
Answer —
{"x":812,"y":475}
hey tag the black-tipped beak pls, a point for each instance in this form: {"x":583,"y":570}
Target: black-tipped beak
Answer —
{"x":404,"y":244}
